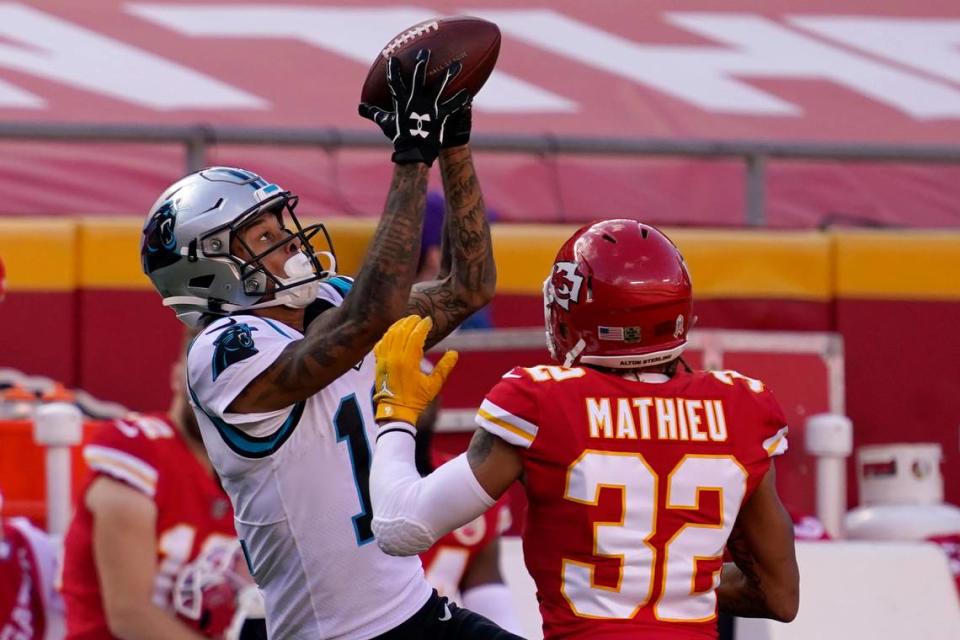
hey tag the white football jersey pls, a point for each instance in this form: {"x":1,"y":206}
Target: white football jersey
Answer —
{"x":299,"y":482}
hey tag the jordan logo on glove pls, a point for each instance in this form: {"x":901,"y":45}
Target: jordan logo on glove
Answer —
{"x":419,"y":120}
{"x":398,"y":355}
{"x":384,"y":389}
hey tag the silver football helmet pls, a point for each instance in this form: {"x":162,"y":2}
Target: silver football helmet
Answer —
{"x":185,"y":248}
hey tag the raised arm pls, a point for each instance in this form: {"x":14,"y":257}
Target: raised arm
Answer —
{"x":763,"y":581}
{"x":338,"y":338}
{"x":468,"y":275}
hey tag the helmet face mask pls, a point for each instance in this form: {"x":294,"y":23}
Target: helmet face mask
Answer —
{"x":257,"y":278}
{"x":618,"y":296}
{"x":189,"y":238}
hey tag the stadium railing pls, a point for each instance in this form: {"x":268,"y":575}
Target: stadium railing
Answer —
{"x":196,"y":139}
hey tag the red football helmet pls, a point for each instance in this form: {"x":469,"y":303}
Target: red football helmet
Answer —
{"x":215,"y":594}
{"x":618,"y":296}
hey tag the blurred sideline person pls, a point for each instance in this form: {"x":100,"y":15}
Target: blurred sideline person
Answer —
{"x":30,"y":607}
{"x":464,"y":565}
{"x":150,"y":506}
{"x":638,"y":471}
{"x":281,"y":375}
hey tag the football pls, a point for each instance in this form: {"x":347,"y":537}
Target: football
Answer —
{"x":473,"y":42}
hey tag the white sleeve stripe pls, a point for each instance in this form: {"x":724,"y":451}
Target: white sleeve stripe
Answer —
{"x":777,"y":443}
{"x":499,"y":415}
{"x":486,"y":418}
{"x":124,"y":459}
{"x":125,"y":475}
{"x":510,"y":436}
{"x":106,"y":459}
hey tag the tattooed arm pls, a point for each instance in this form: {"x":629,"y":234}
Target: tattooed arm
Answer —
{"x":763,"y":581}
{"x":338,"y":338}
{"x":468,"y":274}
{"x":494,"y":462}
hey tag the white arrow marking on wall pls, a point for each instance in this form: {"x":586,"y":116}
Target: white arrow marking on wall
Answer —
{"x":932,"y":46}
{"x":709,"y":76}
{"x":355,"y":33}
{"x":57,"y":50}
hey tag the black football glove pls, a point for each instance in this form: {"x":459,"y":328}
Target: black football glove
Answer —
{"x":456,"y":132}
{"x":416,"y":123}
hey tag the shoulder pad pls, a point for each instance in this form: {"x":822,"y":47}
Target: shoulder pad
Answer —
{"x":342,"y":284}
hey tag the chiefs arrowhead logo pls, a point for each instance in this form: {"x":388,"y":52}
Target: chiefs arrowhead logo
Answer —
{"x":565,"y":284}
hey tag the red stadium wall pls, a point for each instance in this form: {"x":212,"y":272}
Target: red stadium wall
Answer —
{"x":79,"y":310}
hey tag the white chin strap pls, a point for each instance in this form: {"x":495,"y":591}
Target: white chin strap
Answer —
{"x":574,"y":352}
{"x":631,"y":361}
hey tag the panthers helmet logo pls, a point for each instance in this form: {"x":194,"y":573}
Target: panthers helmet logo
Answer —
{"x":160,"y":243}
{"x":565,"y":283}
{"x":233,"y":345}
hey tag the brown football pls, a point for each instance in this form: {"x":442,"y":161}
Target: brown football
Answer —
{"x":472,"y":42}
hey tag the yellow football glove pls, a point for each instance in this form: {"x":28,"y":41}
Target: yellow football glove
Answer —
{"x":403,"y":390}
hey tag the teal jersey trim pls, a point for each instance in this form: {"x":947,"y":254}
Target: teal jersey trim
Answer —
{"x":276,"y":328}
{"x":250,"y":446}
{"x":342,"y":284}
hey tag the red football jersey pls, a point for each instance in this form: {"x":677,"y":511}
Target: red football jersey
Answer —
{"x":22,"y":611}
{"x":193,"y":513}
{"x":633,"y":487}
{"x":447,"y":562}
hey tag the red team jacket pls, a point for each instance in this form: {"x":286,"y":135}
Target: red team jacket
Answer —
{"x":193,"y":512}
{"x":633,"y":488}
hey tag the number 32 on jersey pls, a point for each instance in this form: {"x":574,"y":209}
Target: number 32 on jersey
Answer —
{"x":629,"y":540}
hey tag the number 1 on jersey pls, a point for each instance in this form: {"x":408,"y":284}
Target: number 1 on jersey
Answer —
{"x":348,"y":422}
